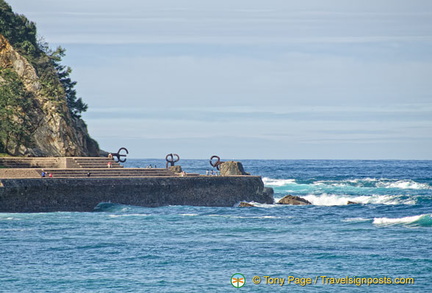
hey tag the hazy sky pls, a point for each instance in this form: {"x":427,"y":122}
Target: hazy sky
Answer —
{"x":273,"y":79}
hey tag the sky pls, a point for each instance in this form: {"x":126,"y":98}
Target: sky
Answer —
{"x":249,"y":79}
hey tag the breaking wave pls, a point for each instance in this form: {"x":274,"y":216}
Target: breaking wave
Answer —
{"x":404,"y":184}
{"x":278,"y":182}
{"x":335,"y":192}
{"x":360,"y":183}
{"x":356,"y":220}
{"x":338,"y":200}
{"x":424,"y":220}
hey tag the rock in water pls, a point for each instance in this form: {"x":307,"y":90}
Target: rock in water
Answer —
{"x":269,"y":191}
{"x":244,"y":204}
{"x":294,"y":200}
{"x":232,"y":168}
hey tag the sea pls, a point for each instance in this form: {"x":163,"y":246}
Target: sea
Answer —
{"x":382,"y":242}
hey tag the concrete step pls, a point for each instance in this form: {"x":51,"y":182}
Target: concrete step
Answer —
{"x":100,"y":165}
{"x":96,"y":162}
{"x":107,"y":172}
{"x":28,"y":162}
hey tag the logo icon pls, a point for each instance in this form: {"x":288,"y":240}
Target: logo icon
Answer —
{"x":238,"y":280}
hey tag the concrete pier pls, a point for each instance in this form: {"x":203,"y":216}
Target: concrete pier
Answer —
{"x":83,"y":194}
{"x":70,"y":189}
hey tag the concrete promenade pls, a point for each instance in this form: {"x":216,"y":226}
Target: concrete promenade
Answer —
{"x":74,"y":189}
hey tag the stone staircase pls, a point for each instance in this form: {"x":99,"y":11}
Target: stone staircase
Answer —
{"x":29,"y":162}
{"x":76,"y":167}
{"x":95,"y":162}
{"x":107,"y":172}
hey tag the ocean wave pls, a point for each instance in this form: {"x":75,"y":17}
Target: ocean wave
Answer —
{"x":376,"y":183}
{"x":404,"y":184}
{"x":356,"y":220}
{"x":129,"y":215}
{"x":278,"y":182}
{"x":8,"y":218}
{"x":424,"y":220}
{"x":356,"y":183}
{"x":249,"y":217}
{"x":336,"y":200}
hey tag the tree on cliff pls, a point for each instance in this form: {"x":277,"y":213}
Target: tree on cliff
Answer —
{"x":20,"y":32}
{"x":15,"y":103}
{"x":22,"y":35}
{"x":76,"y":105}
{"x":39,"y":108}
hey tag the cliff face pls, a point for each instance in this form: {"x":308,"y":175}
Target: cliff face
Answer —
{"x":54,"y":131}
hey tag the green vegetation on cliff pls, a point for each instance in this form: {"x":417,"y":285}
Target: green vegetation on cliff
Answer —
{"x":20,"y":32}
{"x":18,"y":105}
{"x":22,"y":35}
{"x":15,"y":104}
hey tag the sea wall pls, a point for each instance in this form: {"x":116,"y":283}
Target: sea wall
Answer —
{"x":83,"y":194}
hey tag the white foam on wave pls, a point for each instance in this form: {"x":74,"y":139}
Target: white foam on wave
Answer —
{"x":391,"y":200}
{"x":375,"y":183}
{"x":345,"y":183}
{"x":268,"y":205}
{"x":423,"y":220}
{"x":404,"y":184}
{"x":277,"y":182}
{"x":249,"y":217}
{"x":129,"y":215}
{"x":359,"y":183}
{"x":356,"y":220}
{"x":328,"y":199}
{"x":337,"y":200}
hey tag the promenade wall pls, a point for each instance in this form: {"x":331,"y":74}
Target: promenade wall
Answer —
{"x":84,"y":194}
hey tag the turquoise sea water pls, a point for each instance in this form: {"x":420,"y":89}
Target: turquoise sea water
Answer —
{"x":386,"y":236}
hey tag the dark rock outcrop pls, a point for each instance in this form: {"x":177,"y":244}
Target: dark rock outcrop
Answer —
{"x":232,"y":168}
{"x":294,"y":200}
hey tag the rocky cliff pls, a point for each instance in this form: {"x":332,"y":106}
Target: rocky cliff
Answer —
{"x":54,"y":131}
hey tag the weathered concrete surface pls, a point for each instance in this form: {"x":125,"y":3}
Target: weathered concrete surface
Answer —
{"x":57,"y":162}
{"x":19,"y":173}
{"x":83,"y":194}
{"x":175,"y":169}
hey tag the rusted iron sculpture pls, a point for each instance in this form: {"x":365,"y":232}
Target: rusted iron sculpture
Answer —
{"x":216,"y":163}
{"x":119,"y":154}
{"x":171,"y":159}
